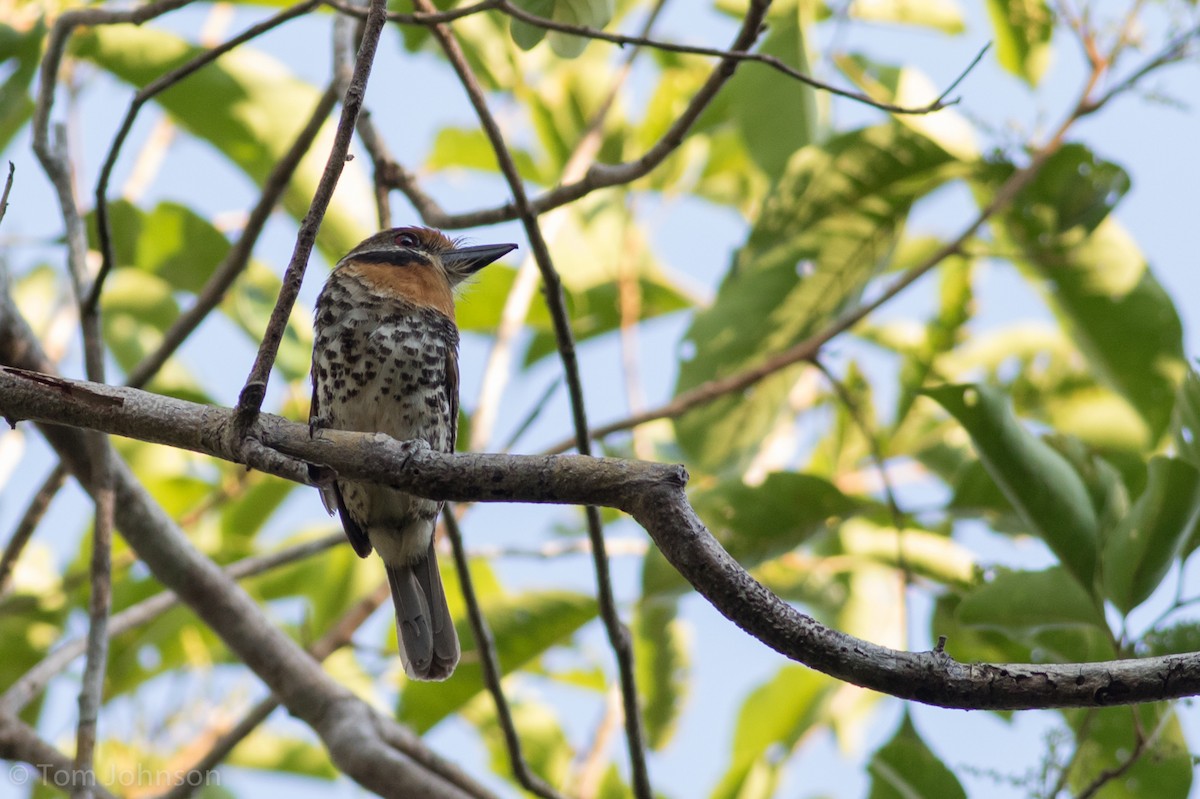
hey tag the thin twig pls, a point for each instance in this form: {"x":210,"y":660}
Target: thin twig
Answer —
{"x":618,"y":635}
{"x":873,"y":446}
{"x":629,"y":304}
{"x":8,"y":184}
{"x":485,"y":644}
{"x":347,"y":31}
{"x":29,"y":521}
{"x":420,"y":17}
{"x":589,"y":772}
{"x":55,"y":162}
{"x":875,"y":449}
{"x":252,"y":394}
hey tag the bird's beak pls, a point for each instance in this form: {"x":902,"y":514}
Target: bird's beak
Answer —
{"x":468,"y":260}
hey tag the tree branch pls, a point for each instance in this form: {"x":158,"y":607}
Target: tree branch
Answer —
{"x":653,"y":494}
{"x":20,"y":743}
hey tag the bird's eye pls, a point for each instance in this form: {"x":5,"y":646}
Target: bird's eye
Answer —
{"x":406,"y":240}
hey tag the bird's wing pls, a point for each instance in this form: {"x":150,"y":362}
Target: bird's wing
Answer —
{"x":331,"y":495}
{"x":452,"y":393}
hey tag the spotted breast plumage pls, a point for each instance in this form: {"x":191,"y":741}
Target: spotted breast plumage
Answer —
{"x":385,"y":359}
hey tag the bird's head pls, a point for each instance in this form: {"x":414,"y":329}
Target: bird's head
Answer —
{"x":416,"y":265}
{"x":421,"y":248}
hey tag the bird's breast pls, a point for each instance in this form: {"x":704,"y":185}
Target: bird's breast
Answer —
{"x":383,"y":365}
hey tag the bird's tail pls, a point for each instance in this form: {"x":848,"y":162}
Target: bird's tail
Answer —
{"x":428,"y":642}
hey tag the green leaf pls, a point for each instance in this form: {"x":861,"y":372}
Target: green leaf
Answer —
{"x":529,"y":36}
{"x":661,"y":645}
{"x":1180,"y":638}
{"x":524,"y":627}
{"x":967,"y":643}
{"x":921,"y":552}
{"x":470,"y":148}
{"x":940,"y":15}
{"x":942,"y":332}
{"x":1107,"y":738}
{"x":825,"y":231}
{"x":776,"y":714}
{"x":1038,"y":481}
{"x":1073,"y":189}
{"x":1186,"y":420}
{"x":911,"y":88}
{"x":171,"y":241}
{"x":250,"y":306}
{"x":137,"y":308}
{"x":1139,"y":552}
{"x":270,"y":751}
{"x":328,"y":584}
{"x":1023,"y":30}
{"x":776,"y":114}
{"x":1016,"y":603}
{"x":582,"y":13}
{"x":20,"y":52}
{"x":1097,"y":281}
{"x":905,"y":767}
{"x":250,"y":108}
{"x":755,"y":523}
{"x":596,"y":310}
{"x":246,"y":513}
{"x":617,"y":250}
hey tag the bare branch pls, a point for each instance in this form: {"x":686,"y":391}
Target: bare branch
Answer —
{"x":516,"y":305}
{"x":516,"y":12}
{"x":652,"y":493}
{"x":809,"y":348}
{"x":775,"y":63}
{"x":20,"y":743}
{"x":55,"y":162}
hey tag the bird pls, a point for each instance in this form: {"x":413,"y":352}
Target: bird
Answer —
{"x":385,"y":359}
